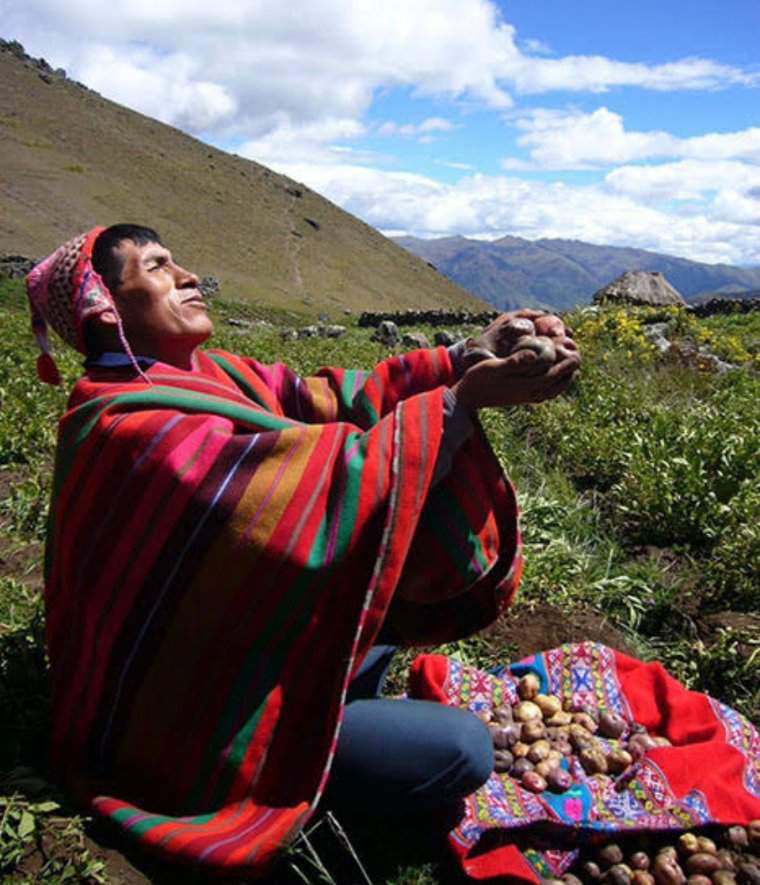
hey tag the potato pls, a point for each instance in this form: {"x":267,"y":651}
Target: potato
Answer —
{"x":748,"y":874}
{"x":558,"y":780}
{"x":528,"y":687}
{"x":642,"y":877}
{"x":619,"y":761}
{"x":737,"y":837}
{"x":688,"y":843}
{"x":549,"y":704}
{"x":586,"y":721}
{"x":526,"y":710}
{"x":539,"y":751}
{"x":609,"y":854}
{"x":639,"y":860}
{"x":702,"y":863}
{"x":520,"y":767}
{"x":667,"y":871}
{"x":532,"y":730}
{"x":723,"y":877}
{"x":533,"y":781}
{"x":520,"y":749}
{"x":503,"y":714}
{"x":540,"y":345}
{"x":619,"y":874}
{"x":549,"y":325}
{"x":611,"y":725}
{"x":502,"y":761}
{"x":560,"y":719}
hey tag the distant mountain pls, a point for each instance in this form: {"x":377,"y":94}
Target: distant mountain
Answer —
{"x":70,"y":159}
{"x":513,"y":272}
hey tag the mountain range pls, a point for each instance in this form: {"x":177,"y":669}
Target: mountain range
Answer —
{"x":514,"y":272}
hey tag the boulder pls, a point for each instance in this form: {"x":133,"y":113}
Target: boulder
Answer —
{"x":387,"y":333}
{"x":641,"y":287}
{"x":444,"y":337}
{"x":332,"y":331}
{"x":415,"y":340}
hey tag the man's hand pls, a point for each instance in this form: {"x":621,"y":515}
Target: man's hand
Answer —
{"x":499,"y":336}
{"x":517,"y":379}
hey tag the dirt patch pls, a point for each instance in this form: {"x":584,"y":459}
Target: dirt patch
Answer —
{"x":527,"y":630}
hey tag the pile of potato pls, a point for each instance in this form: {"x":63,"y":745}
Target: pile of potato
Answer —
{"x":533,"y":738}
{"x":730,"y":856}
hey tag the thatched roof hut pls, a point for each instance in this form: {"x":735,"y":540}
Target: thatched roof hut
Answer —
{"x":639,"y":287}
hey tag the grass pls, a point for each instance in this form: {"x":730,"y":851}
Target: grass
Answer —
{"x":639,"y":501}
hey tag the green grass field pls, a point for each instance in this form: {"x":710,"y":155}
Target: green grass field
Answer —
{"x":640,"y":511}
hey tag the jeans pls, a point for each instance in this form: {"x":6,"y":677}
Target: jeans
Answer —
{"x":404,"y":755}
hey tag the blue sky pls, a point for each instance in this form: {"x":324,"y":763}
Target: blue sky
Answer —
{"x":628,"y":123}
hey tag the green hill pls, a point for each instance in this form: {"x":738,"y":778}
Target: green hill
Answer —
{"x":72,"y":159}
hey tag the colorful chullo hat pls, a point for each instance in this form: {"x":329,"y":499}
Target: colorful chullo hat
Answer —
{"x":64,"y":292}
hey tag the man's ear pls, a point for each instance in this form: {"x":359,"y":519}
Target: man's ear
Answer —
{"x":108,"y":318}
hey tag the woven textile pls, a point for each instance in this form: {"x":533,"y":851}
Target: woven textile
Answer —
{"x":224,"y":545}
{"x":711,"y":774}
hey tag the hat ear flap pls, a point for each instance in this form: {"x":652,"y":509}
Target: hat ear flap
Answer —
{"x":47,"y":370}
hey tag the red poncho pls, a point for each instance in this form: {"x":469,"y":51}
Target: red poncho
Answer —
{"x":224,"y":545}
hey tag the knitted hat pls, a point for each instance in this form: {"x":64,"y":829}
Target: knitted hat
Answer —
{"x":65,"y":291}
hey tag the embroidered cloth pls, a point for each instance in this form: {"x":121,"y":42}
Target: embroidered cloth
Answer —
{"x":710,"y":774}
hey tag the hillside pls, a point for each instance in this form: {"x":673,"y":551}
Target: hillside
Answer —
{"x":71,"y":159}
{"x":512,"y":271}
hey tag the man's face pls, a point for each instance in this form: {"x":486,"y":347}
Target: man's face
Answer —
{"x":161,"y":308}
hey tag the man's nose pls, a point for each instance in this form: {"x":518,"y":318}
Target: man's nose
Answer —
{"x":185,"y":279}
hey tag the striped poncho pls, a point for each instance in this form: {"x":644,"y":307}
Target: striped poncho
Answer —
{"x":223,"y":548}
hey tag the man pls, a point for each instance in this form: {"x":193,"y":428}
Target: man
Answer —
{"x":229,"y":542}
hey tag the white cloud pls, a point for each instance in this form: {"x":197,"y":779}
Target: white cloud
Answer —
{"x":423,"y":131}
{"x":572,"y":139}
{"x":684,"y":180}
{"x":317,"y":141}
{"x":492,"y":206}
{"x":242,"y":68}
{"x":586,"y":73}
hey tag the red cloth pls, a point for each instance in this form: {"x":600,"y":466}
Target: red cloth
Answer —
{"x":711,"y":774}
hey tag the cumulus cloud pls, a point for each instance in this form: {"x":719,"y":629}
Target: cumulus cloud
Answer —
{"x":488,"y":207}
{"x":684,"y":180}
{"x":423,"y":131}
{"x":572,"y":139}
{"x":251,"y":67}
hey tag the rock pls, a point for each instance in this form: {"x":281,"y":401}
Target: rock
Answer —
{"x":15,"y":266}
{"x":655,"y":333}
{"x":444,"y":338}
{"x":332,"y":331}
{"x":288,"y":334}
{"x":308,"y":332}
{"x":639,"y":287}
{"x":387,"y":333}
{"x":415,"y":340}
{"x":209,"y":287}
{"x":240,"y":324}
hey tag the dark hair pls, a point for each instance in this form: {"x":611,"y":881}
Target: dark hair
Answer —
{"x":104,"y":257}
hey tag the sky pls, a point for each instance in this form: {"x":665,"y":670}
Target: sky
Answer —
{"x":619,"y":123}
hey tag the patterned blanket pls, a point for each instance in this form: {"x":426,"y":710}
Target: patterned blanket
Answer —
{"x":223,"y":548}
{"x":710,"y":774}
